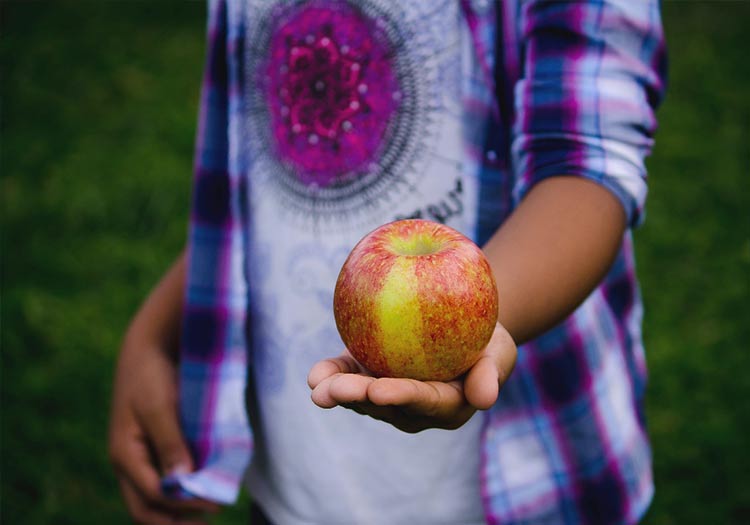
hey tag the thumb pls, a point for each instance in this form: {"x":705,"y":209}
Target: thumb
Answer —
{"x":487,"y":376}
{"x":163,"y":430}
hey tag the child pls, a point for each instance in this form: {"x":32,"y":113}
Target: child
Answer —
{"x":523,"y":125}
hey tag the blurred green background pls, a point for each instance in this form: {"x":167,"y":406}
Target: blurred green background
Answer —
{"x":98,"y":104}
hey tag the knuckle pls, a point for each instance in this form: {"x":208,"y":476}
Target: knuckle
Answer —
{"x":411,"y":427}
{"x":454,"y":424}
{"x":435,"y":401}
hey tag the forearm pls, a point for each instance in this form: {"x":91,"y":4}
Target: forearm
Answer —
{"x":553,"y":251}
{"x":157,"y":322}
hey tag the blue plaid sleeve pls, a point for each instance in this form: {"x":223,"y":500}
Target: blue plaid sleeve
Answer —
{"x":213,"y":358}
{"x":593,"y":75}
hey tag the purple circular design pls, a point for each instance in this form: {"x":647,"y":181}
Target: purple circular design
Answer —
{"x":332,"y":90}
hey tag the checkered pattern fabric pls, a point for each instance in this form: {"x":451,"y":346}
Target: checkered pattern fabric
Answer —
{"x":567,"y":88}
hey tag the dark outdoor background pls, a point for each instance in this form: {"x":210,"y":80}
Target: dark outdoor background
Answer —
{"x":98,"y":106}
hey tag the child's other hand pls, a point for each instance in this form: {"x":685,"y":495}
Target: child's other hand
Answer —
{"x":411,"y":405}
{"x":145,"y":441}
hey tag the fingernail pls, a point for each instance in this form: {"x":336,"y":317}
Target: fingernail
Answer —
{"x":179,"y":470}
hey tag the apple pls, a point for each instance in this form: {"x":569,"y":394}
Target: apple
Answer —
{"x":416,"y":299}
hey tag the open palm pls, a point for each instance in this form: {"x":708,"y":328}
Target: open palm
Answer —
{"x":412,"y":405}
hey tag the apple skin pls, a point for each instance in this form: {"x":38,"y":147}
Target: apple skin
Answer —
{"x":416,"y":299}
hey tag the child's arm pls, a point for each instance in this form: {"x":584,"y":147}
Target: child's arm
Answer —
{"x":591,"y":77}
{"x":145,"y":440}
{"x":547,"y":257}
{"x":553,"y":251}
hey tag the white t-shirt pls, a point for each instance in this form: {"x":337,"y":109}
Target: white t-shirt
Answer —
{"x":354,"y":119}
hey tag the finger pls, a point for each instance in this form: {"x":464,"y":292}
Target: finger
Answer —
{"x":143,"y":512}
{"x":486,"y":377}
{"x":349,"y":388}
{"x":389,"y":414}
{"x":352,"y":388}
{"x":321,"y":395}
{"x":424,"y":398}
{"x":396,"y":417}
{"x":139,"y":509}
{"x":410,"y":420}
{"x":159,"y":422}
{"x":132,"y":461}
{"x":344,"y":364}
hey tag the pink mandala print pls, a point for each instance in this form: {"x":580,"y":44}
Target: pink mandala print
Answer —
{"x":340,"y":105}
{"x":332,"y":90}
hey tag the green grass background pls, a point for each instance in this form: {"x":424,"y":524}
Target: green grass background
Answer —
{"x":98,"y":106}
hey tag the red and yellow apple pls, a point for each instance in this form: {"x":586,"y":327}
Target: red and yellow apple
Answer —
{"x":416,"y":299}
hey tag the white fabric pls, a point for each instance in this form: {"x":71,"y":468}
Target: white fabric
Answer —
{"x":313,"y":466}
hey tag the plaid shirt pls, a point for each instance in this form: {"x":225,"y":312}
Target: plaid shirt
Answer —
{"x":565,"y":88}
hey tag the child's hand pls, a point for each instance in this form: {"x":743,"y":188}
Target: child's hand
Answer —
{"x":411,"y":405}
{"x":145,"y":441}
